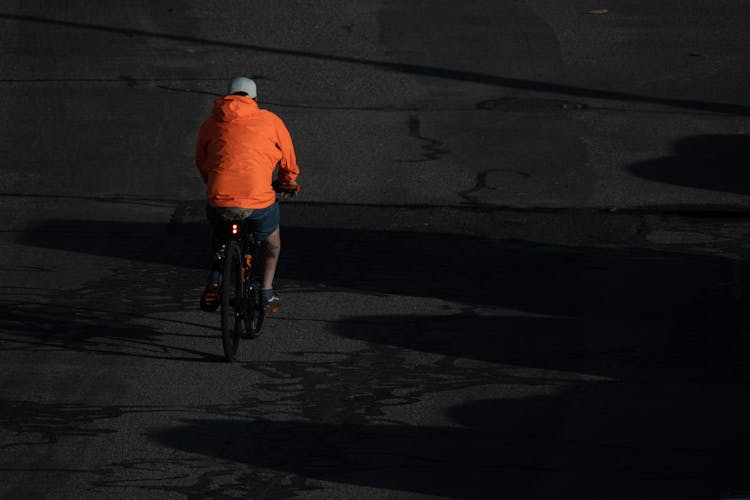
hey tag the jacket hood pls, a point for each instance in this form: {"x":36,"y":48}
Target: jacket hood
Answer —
{"x":234,"y":107}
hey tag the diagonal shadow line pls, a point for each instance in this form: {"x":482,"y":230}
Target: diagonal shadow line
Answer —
{"x":415,"y":69}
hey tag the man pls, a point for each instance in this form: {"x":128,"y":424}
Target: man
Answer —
{"x":239,"y":147}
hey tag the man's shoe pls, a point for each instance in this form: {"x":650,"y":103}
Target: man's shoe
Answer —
{"x":271,"y":305}
{"x":210,"y":297}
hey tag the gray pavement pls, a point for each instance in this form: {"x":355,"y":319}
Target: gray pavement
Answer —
{"x":516,"y":270}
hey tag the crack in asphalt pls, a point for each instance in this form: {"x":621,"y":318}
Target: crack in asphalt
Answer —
{"x":481,"y":183}
{"x":432,"y":149}
{"x":526,"y":105}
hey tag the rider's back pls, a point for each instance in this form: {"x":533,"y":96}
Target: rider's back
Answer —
{"x":238,"y":148}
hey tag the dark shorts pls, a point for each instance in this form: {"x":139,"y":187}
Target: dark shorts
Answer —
{"x":260,"y":221}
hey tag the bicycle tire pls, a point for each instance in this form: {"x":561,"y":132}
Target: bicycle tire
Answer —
{"x":254,"y":316}
{"x":231,"y":302}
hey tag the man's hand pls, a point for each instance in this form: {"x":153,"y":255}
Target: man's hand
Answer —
{"x":287,"y":189}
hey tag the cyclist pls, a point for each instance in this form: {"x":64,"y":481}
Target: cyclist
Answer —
{"x":239,"y":147}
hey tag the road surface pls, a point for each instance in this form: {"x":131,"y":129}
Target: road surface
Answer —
{"x":516,"y":269}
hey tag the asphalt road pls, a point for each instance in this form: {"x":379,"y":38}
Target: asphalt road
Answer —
{"x":516,"y":270}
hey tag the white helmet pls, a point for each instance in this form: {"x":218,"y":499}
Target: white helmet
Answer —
{"x":242,"y":84}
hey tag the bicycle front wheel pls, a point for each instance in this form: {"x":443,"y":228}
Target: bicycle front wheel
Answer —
{"x":231,"y":302}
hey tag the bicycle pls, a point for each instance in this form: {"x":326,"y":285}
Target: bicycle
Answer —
{"x":240,"y":299}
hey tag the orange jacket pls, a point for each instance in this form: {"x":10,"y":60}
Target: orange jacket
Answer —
{"x":238,"y":148}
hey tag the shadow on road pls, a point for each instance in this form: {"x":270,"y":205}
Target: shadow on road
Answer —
{"x":604,"y":441}
{"x":528,"y":276}
{"x":642,"y":353}
{"x":61,"y":326}
{"x":414,"y":69}
{"x":716,"y":162}
{"x":691,"y":344}
{"x":608,"y":311}
{"x":543,"y":300}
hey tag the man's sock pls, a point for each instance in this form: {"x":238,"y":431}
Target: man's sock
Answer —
{"x":214,"y":278}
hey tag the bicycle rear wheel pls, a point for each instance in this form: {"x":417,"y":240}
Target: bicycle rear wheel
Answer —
{"x":231,"y":302}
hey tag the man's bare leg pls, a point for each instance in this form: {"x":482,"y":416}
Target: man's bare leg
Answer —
{"x":271,"y":249}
